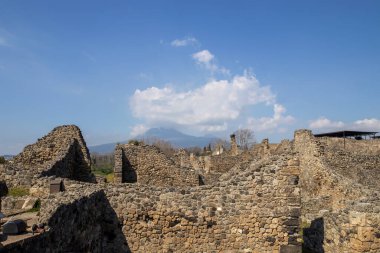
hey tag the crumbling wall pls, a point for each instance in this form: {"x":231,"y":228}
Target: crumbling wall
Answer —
{"x":266,"y":149}
{"x":79,"y":220}
{"x":182,"y":159}
{"x":319,"y":181}
{"x":343,"y":211}
{"x":63,"y":152}
{"x":146,"y":164}
{"x":358,"y":160}
{"x":353,"y":229}
{"x":256,"y":210}
{"x":367,"y":147}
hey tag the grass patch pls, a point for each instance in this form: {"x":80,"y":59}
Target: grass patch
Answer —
{"x":18,"y":192}
{"x":102,"y":170}
{"x":110,"y":177}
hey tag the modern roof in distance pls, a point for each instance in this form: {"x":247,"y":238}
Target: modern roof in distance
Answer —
{"x":345,"y":133}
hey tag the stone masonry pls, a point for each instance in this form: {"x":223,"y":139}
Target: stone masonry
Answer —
{"x":343,"y":210}
{"x":146,"y":164}
{"x":63,"y":152}
{"x":255,"y":203}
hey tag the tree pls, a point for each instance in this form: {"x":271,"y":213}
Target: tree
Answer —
{"x":245,"y":138}
{"x":2,"y":160}
{"x":165,"y":146}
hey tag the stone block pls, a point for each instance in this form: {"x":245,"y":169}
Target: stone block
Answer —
{"x":290,"y":249}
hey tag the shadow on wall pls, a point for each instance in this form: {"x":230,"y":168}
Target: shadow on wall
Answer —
{"x":73,"y":166}
{"x":88,"y":224}
{"x":313,"y":237}
{"x":129,"y":173}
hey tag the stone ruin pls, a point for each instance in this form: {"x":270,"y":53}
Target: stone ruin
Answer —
{"x":62,"y":153}
{"x":146,"y":164}
{"x":307,"y":192}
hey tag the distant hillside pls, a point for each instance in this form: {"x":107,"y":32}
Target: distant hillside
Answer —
{"x":104,"y":148}
{"x":176,"y":138}
{"x":8,"y":157}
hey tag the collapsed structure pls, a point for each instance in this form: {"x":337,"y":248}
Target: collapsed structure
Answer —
{"x":272,"y":198}
{"x":63,"y":153}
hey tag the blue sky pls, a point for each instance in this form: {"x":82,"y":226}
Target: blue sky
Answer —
{"x":117,"y":68}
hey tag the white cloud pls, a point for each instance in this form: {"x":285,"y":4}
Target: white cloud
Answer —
{"x":207,"y":60}
{"x":371,"y":124}
{"x":206,"y":109}
{"x":274,"y":123}
{"x":203,"y":56}
{"x":367,"y":124}
{"x":324,"y":123}
{"x":138,"y":129}
{"x":184,"y":42}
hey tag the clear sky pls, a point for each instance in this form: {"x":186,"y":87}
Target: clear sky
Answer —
{"x":117,"y":68}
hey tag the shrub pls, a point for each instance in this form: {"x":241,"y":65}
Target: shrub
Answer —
{"x":36,"y":206}
{"x":135,"y":142}
{"x":2,"y":160}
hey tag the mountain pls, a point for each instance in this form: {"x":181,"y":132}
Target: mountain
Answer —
{"x":176,"y":138}
{"x":104,"y":148}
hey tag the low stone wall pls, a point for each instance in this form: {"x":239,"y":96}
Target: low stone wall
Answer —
{"x":12,"y":204}
{"x":147,"y":165}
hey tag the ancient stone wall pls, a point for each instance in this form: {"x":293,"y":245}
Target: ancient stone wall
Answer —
{"x":146,"y":164}
{"x":367,"y":147}
{"x":256,"y":210}
{"x":234,"y":147}
{"x":358,"y":160}
{"x":266,"y":149}
{"x":354,"y":229}
{"x":79,"y":220}
{"x":182,"y":159}
{"x":319,"y":181}
{"x":62,"y":153}
{"x":343,"y":211}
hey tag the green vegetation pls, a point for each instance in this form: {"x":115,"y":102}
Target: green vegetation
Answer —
{"x":18,"y":192}
{"x":102,"y":170}
{"x":304,"y":225}
{"x":36,"y":206}
{"x":102,"y":165}
{"x":2,"y":160}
